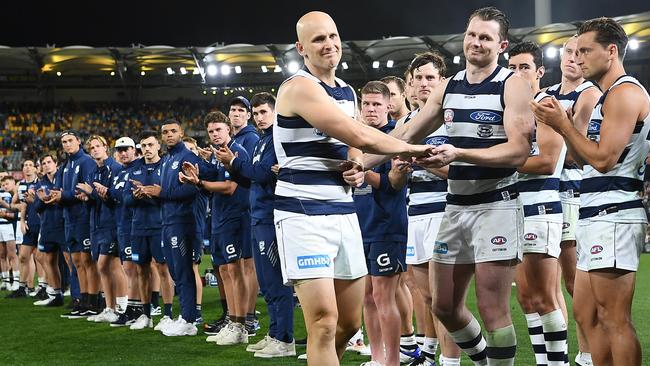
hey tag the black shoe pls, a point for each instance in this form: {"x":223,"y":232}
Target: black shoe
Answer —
{"x":88,"y":312}
{"x":20,"y":293}
{"x":41,"y":294}
{"x":73,"y":303}
{"x":216,"y":326}
{"x":121,"y":321}
{"x":74,"y":313}
{"x":56,"y":301}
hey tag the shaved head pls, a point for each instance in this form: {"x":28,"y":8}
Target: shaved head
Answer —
{"x":311,"y":21}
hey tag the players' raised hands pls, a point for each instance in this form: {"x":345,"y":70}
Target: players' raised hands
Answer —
{"x":550,"y":112}
{"x":225,"y":156}
{"x":189,"y":173}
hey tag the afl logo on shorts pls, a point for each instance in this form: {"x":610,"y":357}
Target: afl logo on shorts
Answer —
{"x":530,"y":236}
{"x":498,"y":240}
{"x":565,"y":225}
{"x":596,"y":249}
{"x":449,"y":117}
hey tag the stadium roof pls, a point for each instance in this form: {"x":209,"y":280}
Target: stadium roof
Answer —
{"x":238,"y":65}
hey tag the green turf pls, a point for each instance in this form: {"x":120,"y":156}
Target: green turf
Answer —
{"x":33,"y":335}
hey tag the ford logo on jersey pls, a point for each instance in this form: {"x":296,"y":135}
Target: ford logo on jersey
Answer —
{"x":313,"y":261}
{"x":594,"y":127}
{"x":437,"y":140}
{"x":596,"y":249}
{"x":498,"y":240}
{"x":485,"y":116}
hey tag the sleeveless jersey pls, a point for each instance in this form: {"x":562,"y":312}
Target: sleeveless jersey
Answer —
{"x":571,"y":174}
{"x":310,"y":180}
{"x":540,"y":193}
{"x":426,"y":192}
{"x":615,"y":196}
{"x":473,"y":116}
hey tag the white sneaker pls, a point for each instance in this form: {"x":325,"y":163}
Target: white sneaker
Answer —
{"x":163,"y":323}
{"x":14,"y":286}
{"x":92,"y":318}
{"x":180,"y":328}
{"x":156,"y":311}
{"x":106,"y":316}
{"x":142,"y":322}
{"x":303,"y":357}
{"x":371,"y":363}
{"x":277,"y":348}
{"x":259,"y":345}
{"x":66,"y":293}
{"x":222,"y":332}
{"x":33,"y":293}
{"x":235,"y":334}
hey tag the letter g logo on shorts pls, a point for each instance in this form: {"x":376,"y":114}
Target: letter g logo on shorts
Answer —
{"x":230,"y":248}
{"x":383,"y":259}
{"x":86,"y":242}
{"x":314,"y":261}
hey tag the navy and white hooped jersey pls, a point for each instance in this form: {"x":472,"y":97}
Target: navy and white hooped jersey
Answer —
{"x":473,"y":116}
{"x":540,"y":193}
{"x":427,"y":193}
{"x":615,"y":195}
{"x":310,"y":180}
{"x":571,"y":174}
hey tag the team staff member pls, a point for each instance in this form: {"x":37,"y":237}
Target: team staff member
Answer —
{"x":77,"y":219}
{"x":230,"y":224}
{"x":381,"y":208}
{"x":103,"y":238}
{"x":50,"y":243}
{"x":178,"y":223}
{"x":246,"y":135}
{"x":145,"y":232}
{"x":279,"y":298}
{"x":125,"y":152}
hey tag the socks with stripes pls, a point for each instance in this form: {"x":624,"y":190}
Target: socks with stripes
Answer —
{"x":407,"y":343}
{"x":536,"y":334}
{"x":429,"y":349}
{"x":471,"y":341}
{"x":555,"y":337}
{"x":501,"y":346}
{"x":16,"y":276}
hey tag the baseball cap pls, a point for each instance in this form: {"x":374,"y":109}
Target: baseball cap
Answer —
{"x":240,"y":100}
{"x":68,"y":133}
{"x":124,"y":142}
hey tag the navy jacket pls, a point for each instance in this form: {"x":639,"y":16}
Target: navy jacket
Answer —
{"x":177,"y":198}
{"x":382,"y":212}
{"x":226,"y":208}
{"x":51,"y":216}
{"x":76,"y":170}
{"x":258,"y":170}
{"x":32,"y":219}
{"x":146,"y":211}
{"x":247,"y":137}
{"x":102,"y":212}
{"x":123,"y":214}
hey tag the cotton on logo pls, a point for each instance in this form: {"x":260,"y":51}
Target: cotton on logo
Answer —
{"x":530,"y":236}
{"x":498,"y":240}
{"x":596,"y":249}
{"x":383,"y":259}
{"x":230,"y":248}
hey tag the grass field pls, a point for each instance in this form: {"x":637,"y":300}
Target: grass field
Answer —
{"x":33,"y":335}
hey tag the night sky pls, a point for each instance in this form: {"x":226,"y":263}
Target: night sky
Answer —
{"x":201,"y":23}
